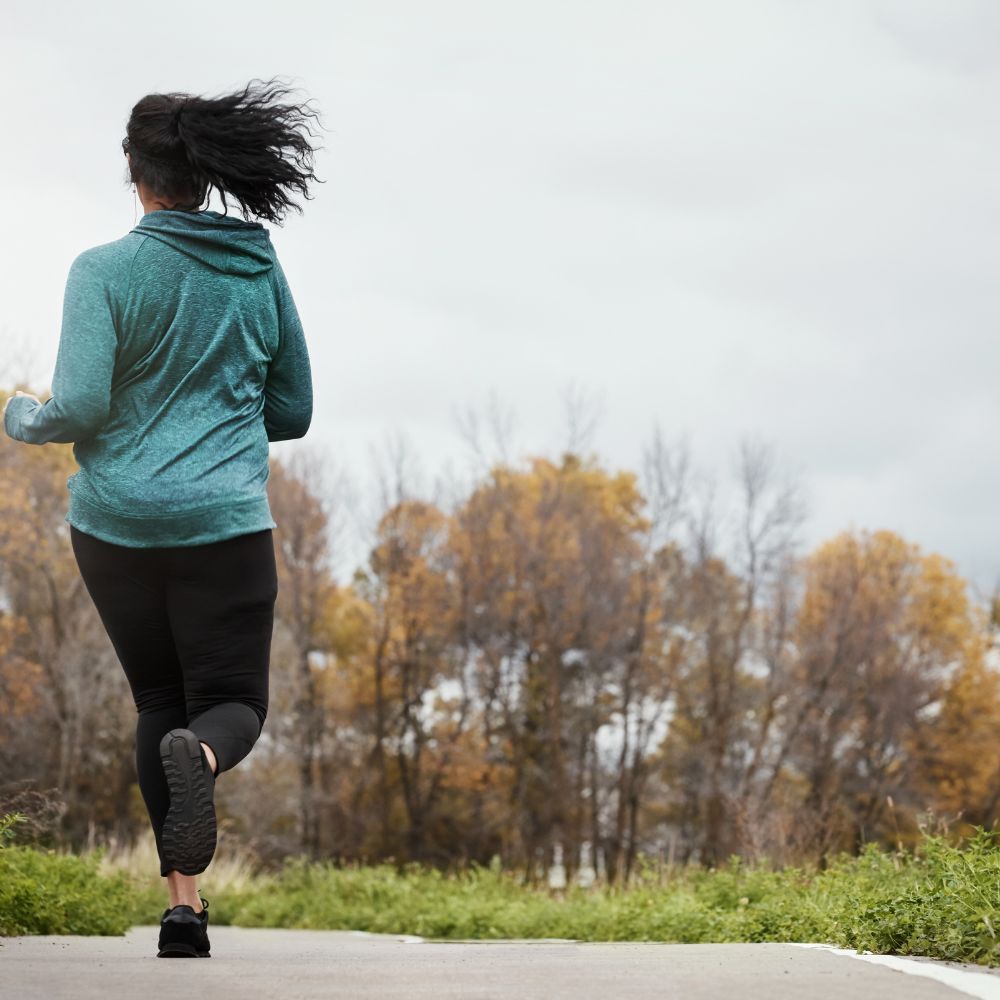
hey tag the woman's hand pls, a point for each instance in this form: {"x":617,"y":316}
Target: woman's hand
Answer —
{"x":19,"y":393}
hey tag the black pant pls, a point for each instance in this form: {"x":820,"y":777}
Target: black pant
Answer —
{"x":192,"y":628}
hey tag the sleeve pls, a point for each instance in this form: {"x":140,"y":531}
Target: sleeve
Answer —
{"x":81,"y":382}
{"x":288,"y":395}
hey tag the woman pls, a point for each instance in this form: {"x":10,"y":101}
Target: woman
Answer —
{"x":181,"y":356}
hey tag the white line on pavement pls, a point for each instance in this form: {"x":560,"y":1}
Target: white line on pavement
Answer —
{"x":974,"y":984}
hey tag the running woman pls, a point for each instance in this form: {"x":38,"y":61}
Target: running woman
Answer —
{"x":181,"y":355}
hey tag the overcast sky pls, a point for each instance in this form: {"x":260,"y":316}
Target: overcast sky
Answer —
{"x":776,"y":218}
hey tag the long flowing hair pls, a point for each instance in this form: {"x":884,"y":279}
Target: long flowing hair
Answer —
{"x":248,"y":145}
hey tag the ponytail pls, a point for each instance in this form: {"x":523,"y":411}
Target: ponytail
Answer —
{"x":246,"y":147}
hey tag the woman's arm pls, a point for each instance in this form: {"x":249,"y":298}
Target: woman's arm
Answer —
{"x":81,"y":382}
{"x":288,"y":396}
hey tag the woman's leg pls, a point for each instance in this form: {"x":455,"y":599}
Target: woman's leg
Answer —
{"x":220,"y":600}
{"x":192,"y":629}
{"x":127,"y":588}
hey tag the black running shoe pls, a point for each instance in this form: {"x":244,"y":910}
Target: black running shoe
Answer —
{"x":189,"y":833}
{"x":184,"y":933}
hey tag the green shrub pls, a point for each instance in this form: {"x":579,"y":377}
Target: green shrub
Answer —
{"x":42,"y":892}
{"x":945,"y":904}
{"x":942,"y":901}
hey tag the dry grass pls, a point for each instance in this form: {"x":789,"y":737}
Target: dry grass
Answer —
{"x":233,"y":869}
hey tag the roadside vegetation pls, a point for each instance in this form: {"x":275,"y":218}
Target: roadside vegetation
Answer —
{"x":938,"y":900}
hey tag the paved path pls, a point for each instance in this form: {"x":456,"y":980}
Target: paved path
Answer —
{"x":294,"y":965}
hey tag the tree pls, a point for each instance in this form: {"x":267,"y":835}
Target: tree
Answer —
{"x":882,"y":629}
{"x":305,"y":605}
{"x":729,"y":680}
{"x":67,"y":715}
{"x":956,"y":749}
{"x":547,"y":559}
{"x":417,"y":657}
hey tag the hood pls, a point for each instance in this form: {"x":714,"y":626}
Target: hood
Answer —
{"x":230,"y":245}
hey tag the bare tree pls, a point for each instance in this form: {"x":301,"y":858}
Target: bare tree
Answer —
{"x":727,"y":680}
{"x":642,"y":681}
{"x":301,"y":508}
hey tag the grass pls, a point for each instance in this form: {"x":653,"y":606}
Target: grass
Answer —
{"x":43,"y":892}
{"x":941,"y":901}
{"x":231,"y":876}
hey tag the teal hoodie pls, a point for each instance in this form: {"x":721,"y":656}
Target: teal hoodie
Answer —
{"x":181,"y":356}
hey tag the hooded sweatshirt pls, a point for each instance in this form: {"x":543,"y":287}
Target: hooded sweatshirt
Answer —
{"x":181,"y":356}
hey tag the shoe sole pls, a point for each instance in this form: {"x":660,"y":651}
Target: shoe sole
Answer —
{"x":182,"y":951}
{"x":189,"y":831}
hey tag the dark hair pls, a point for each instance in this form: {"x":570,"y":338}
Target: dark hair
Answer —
{"x":181,"y":146}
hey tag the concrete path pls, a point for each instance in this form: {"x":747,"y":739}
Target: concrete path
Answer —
{"x":249,"y":963}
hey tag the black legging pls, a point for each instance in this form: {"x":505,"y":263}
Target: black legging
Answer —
{"x":192,"y":628}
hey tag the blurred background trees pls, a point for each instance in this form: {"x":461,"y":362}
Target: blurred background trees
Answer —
{"x":560,"y":654}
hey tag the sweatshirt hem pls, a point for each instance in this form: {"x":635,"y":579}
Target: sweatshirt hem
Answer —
{"x":194,"y":527}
